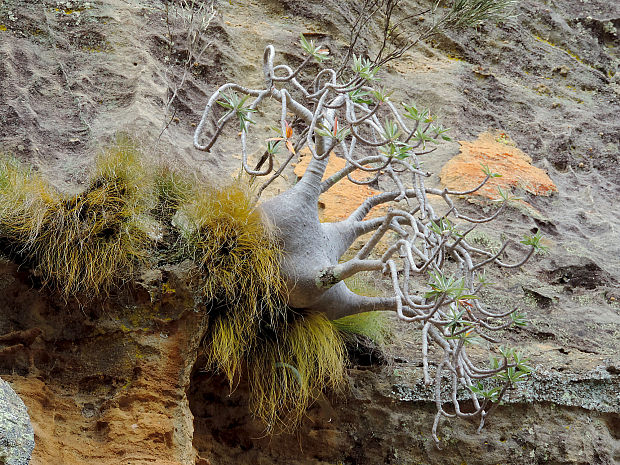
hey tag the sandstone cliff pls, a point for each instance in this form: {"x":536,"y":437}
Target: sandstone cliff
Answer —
{"x":122,"y":382}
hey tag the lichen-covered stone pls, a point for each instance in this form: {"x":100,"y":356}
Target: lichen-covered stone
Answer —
{"x":16,"y":434}
{"x":495,"y":150}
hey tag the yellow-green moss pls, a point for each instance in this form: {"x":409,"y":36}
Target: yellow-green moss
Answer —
{"x":362,"y":284}
{"x":84,"y":243}
{"x":373,"y":325}
{"x":288,"y":370}
{"x":568,"y":52}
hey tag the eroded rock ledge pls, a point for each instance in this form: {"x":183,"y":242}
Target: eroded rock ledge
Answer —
{"x":118,"y":382}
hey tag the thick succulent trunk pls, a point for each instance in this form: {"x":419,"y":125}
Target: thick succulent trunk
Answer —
{"x":451,"y":315}
{"x":311,"y":247}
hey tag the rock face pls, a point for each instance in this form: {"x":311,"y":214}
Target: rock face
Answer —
{"x":104,"y":383}
{"x":16,"y":435}
{"x":496,"y":151}
{"x":385,"y":419}
{"x":121,"y":382}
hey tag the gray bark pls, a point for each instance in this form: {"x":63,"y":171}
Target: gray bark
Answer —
{"x":311,"y":247}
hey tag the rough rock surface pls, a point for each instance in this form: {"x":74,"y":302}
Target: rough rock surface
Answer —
{"x":497,"y":152}
{"x":106,"y":383}
{"x":119,"y":382}
{"x":16,"y":435}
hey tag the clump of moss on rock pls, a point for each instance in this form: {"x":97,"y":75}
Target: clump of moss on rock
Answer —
{"x":88,"y":243}
{"x":82,"y":244}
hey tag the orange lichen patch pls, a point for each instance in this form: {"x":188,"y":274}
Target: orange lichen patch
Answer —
{"x":343,"y":198}
{"x":499,"y":153}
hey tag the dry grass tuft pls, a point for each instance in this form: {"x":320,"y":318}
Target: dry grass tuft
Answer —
{"x":172,"y":189}
{"x":86,"y":243}
{"x":224,"y":234}
{"x":97,"y":237}
{"x":289,"y":358}
{"x":26,"y":201}
{"x":239,"y":259}
{"x":289,"y":370}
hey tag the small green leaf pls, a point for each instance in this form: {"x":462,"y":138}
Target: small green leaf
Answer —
{"x":490,"y":394}
{"x":319,"y":54}
{"x":534,"y":241}
{"x":505,"y":196}
{"x":236,"y":104}
{"x":518,"y":319}
{"x":449,"y":286}
{"x":381,"y":95}
{"x":440,"y":131}
{"x":396,"y":149}
{"x":273,"y":146}
{"x":423,"y":138}
{"x":444,"y":226}
{"x":482,"y":279}
{"x":361,"y":97}
{"x":365,"y":68}
{"x":412,"y":112}
{"x":324,"y":131}
{"x":390,"y":130}
{"x":487,"y":171}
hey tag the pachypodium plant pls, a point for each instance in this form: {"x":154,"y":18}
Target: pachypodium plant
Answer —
{"x":434,"y":271}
